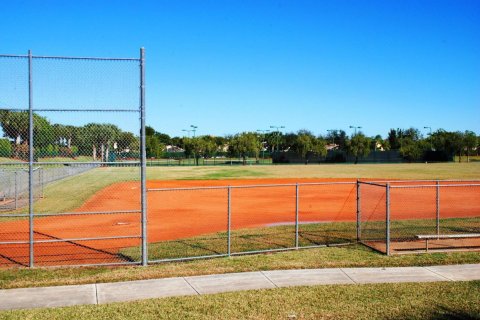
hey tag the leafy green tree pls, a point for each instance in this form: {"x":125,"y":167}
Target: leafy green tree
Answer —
{"x":153,"y":147}
{"x":5,"y":148}
{"x":244,"y":144}
{"x":15,"y":125}
{"x":306,"y":144}
{"x":394,"y":139}
{"x":451,"y":143}
{"x":101,"y":136}
{"x":127,"y":140}
{"x":209,"y":147}
{"x":358,"y":146}
{"x":470,"y":141}
{"x":275,"y":140}
{"x":194,"y":147}
{"x":411,"y":150}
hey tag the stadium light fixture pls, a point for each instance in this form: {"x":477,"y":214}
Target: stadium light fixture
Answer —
{"x":194,"y":129}
{"x":355,"y":128}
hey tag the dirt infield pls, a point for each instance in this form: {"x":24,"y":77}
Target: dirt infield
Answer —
{"x":186,"y":213}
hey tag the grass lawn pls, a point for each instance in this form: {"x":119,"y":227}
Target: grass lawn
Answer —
{"x":329,"y":257}
{"x":441,"y":300}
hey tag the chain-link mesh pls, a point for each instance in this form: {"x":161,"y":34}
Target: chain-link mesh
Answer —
{"x":412,"y":212}
{"x":442,"y":215}
{"x":373,"y":215}
{"x":13,"y":83}
{"x":327,"y":214}
{"x":186,"y":223}
{"x":85,"y":175}
{"x":263,"y":218}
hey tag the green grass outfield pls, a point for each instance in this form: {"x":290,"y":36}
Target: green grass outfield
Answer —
{"x":441,"y":300}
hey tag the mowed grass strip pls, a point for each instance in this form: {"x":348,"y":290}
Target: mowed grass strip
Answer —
{"x":442,"y":300}
{"x":329,"y":257}
{"x":311,"y":234}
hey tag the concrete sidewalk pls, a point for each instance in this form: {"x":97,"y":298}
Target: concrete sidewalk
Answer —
{"x":26,"y":298}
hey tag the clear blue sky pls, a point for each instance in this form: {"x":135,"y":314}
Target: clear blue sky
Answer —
{"x":231,"y":66}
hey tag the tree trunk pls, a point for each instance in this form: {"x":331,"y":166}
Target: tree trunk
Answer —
{"x":94,"y":153}
{"x":102,"y":152}
{"x":107,"y":153}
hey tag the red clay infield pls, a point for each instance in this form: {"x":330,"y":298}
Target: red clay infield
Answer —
{"x":178,"y":214}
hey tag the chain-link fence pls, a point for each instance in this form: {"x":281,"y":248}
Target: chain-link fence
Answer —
{"x":417,"y":216}
{"x":203,"y":222}
{"x":73,"y":185}
{"x":72,"y":138}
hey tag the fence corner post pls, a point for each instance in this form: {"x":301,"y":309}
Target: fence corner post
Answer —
{"x":387,"y":218}
{"x":359,"y":213}
{"x":437,"y":206}
{"x":229,"y":220}
{"x":296,"y":214}
{"x":143,"y":160}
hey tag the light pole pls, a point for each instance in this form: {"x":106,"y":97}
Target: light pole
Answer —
{"x":194,"y":128}
{"x":263,"y":138}
{"x":355,"y":127}
{"x":278,"y":134}
{"x":188,"y":134}
{"x":332,"y":132}
{"x":430,"y":134}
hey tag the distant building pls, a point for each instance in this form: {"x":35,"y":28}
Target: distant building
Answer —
{"x":170,"y":148}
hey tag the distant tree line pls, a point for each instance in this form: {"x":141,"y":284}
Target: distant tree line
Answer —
{"x":412,"y":146}
{"x":106,"y":142}
{"x":96,"y":140}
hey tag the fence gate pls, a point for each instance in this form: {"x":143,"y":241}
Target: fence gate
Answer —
{"x":419,"y":216}
{"x":72,"y":160}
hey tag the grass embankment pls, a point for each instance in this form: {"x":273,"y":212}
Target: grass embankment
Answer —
{"x":438,"y":301}
{"x":330,"y":257}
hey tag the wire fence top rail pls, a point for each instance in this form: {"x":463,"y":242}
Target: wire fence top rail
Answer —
{"x":436,"y":185}
{"x":250,"y":186}
{"x":68,"y":58}
{"x":419,"y":180}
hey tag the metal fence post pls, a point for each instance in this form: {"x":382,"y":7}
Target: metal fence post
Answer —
{"x":387,"y":203}
{"x":30,"y":159}
{"x":296,"y":215}
{"x":437,"y":207}
{"x":16,"y":190}
{"x":42,"y":181}
{"x":229,"y":221}
{"x":143,"y":160}
{"x":359,"y":214}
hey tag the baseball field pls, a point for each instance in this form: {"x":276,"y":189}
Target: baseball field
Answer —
{"x":94,"y":217}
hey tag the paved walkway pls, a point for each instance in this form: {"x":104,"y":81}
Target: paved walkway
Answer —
{"x":198,"y":285}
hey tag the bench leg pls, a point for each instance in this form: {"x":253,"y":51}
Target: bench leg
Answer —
{"x":426,"y":244}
